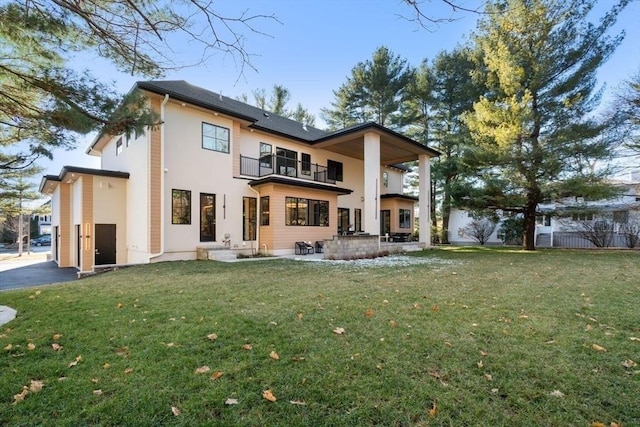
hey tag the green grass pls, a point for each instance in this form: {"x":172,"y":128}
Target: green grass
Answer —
{"x":484,"y":334}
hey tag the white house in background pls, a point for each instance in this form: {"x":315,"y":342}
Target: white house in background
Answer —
{"x":221,"y":173}
{"x":558,"y":230}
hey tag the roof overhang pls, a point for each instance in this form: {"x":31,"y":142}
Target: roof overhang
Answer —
{"x":394,"y":147}
{"x":297,"y":183}
{"x":70,"y":174}
{"x":399,"y":196}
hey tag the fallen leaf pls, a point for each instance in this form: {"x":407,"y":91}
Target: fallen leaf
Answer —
{"x":523,"y":316}
{"x":588,"y":328}
{"x":231,"y":401}
{"x":433,"y":410}
{"x":123,"y":351}
{"x":297,"y":402}
{"x":128,"y":370}
{"x":614,"y":424}
{"x":31,"y":346}
{"x":267,"y":394}
{"x":550,"y":342}
{"x":247,"y":347}
{"x":596,"y":425}
{"x":75,"y":361}
{"x":38,"y":293}
{"x":634,"y":338}
{"x":106,"y":366}
{"x":62,"y":379}
{"x":97,"y":392}
{"x":202,"y":369}
{"x":20,"y":396}
{"x":629,"y":363}
{"x":480,"y":364}
{"x":557,"y":393}
{"x":435,"y":307}
{"x":8,"y":347}
{"x":299,"y":316}
{"x":56,"y":337}
{"x":175,"y":411}
{"x":393,"y":323}
{"x":212,"y":337}
{"x":274,"y":355}
{"x":36,"y":386}
{"x":56,"y":347}
{"x":483,"y":353}
{"x":369,"y":313}
{"x":338,"y":331}
{"x":596,"y":347}
{"x":95,"y":380}
{"x":297,"y":359}
{"x":417,"y":306}
{"x":119,"y":305}
{"x":216,"y":375}
{"x":495,"y":390}
{"x":489,"y":377}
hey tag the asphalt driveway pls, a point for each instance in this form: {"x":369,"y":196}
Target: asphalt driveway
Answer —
{"x":18,"y":273}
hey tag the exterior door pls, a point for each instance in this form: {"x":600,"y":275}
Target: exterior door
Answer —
{"x":105,"y":244}
{"x":385,"y":222}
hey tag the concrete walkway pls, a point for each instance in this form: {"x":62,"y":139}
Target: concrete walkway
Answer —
{"x":7,"y":314}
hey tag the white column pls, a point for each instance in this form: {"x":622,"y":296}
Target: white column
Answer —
{"x":424,"y":199}
{"x":371,"y":219}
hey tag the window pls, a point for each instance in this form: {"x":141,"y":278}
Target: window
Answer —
{"x":180,"y":207}
{"x":286,"y":162}
{"x":620,"y":217}
{"x":266,"y":160}
{"x":544,"y":220}
{"x":357,"y":220}
{"x":385,"y":179}
{"x":264,"y":210}
{"x":343,"y":220}
{"x":405,"y":218}
{"x":215,"y":138}
{"x":207,"y":217}
{"x":582,"y":216}
{"x":334,"y":170}
{"x":119,"y":146}
{"x":306,"y":164}
{"x":307,"y":212}
{"x":249,"y":218}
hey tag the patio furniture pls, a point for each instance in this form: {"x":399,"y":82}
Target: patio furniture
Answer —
{"x":303,"y":248}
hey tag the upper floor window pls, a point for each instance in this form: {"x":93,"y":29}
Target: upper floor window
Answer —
{"x":385,"y":179}
{"x":305,"y":164}
{"x":334,"y":170}
{"x":215,"y":138}
{"x":266,"y":158}
{"x":119,"y":146}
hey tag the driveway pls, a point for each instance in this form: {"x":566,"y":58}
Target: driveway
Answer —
{"x":31,"y":270}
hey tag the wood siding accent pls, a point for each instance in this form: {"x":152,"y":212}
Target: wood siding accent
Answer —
{"x":394,"y":206}
{"x":87,"y":228}
{"x":155,"y":184}
{"x":65,"y":230}
{"x":277,"y":235}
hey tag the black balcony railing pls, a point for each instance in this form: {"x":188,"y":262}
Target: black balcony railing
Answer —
{"x":278,"y":165}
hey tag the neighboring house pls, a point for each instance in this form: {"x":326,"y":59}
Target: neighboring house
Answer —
{"x":44,"y":223}
{"x":219,"y":173}
{"x":558,"y":222}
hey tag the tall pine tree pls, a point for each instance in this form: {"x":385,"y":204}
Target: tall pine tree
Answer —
{"x":534,"y":133}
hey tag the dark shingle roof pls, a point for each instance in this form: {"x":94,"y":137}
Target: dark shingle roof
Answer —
{"x":183,"y":91}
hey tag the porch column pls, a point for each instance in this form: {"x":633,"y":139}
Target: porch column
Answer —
{"x":424,"y":199}
{"x":371,"y":183}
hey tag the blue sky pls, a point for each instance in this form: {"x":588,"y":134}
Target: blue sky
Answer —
{"x":317,"y":43}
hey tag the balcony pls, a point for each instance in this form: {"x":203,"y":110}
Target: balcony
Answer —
{"x":278,"y":165}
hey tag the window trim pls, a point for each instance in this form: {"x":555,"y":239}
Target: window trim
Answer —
{"x":312,"y":218}
{"x":215,"y":138}
{"x":203,"y":237}
{"x":264,"y":210}
{"x":404,"y":218}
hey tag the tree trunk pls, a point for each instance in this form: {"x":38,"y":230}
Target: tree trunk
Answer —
{"x":529,"y":226}
{"x":446,"y":209}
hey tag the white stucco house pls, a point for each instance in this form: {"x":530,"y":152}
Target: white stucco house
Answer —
{"x":218,"y":172}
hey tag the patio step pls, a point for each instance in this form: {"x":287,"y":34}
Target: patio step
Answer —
{"x":222,"y":255}
{"x":543,"y":240}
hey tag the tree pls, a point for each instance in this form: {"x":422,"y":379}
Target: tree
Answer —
{"x":44,"y":103}
{"x":277,"y":102}
{"x":627,"y":107}
{"x":480,"y":229}
{"x":534,"y":136}
{"x":374,"y":92}
{"x":15,"y":192}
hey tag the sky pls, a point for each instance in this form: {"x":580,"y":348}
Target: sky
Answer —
{"x":314,"y":44}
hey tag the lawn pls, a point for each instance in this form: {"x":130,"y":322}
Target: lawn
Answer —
{"x":450,"y":337}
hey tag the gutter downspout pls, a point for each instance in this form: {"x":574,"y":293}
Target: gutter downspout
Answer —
{"x":162,"y":179}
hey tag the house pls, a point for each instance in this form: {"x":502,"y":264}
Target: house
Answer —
{"x":560,"y":222}
{"x":218,"y":173}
